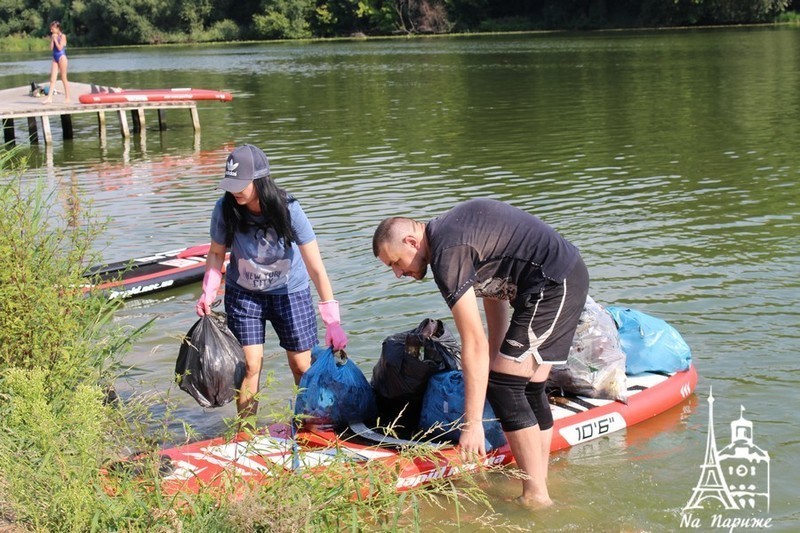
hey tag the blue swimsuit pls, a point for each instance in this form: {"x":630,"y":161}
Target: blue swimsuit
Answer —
{"x":59,"y":53}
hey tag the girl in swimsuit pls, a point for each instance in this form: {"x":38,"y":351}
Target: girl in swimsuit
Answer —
{"x":58,"y":44}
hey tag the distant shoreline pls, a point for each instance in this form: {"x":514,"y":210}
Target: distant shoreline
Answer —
{"x":13,"y":44}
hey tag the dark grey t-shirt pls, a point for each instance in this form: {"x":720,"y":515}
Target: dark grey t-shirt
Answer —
{"x":499,"y":250}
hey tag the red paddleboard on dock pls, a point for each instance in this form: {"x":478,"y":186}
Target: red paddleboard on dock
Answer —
{"x":218,"y":462}
{"x":154,"y":95}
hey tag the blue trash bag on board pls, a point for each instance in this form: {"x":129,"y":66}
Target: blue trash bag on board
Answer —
{"x":333,"y":392}
{"x":443,"y":411}
{"x":649,"y":343}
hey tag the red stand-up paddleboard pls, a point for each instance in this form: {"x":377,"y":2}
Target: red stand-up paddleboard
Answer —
{"x":145,"y":275}
{"x":238,"y":462}
{"x":154,"y":95}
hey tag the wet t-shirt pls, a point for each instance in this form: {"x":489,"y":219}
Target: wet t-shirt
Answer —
{"x":259,"y":261}
{"x":499,"y":250}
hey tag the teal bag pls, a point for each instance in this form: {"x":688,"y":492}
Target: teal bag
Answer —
{"x":649,"y":343}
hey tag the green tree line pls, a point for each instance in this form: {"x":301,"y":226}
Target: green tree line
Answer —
{"x":119,"y":22}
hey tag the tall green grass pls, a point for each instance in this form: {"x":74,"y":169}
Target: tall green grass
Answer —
{"x":24,"y":43}
{"x":60,"y":430}
{"x":58,"y":352}
{"x":790,"y":17}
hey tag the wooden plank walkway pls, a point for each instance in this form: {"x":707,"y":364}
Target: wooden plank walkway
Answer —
{"x":17,"y":104}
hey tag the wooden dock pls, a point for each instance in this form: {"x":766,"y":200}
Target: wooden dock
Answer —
{"x":18,"y":104}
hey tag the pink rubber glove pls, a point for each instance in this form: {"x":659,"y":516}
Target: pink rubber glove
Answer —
{"x":211,"y":282}
{"x":334,"y":334}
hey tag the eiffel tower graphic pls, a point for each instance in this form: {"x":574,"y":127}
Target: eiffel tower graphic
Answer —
{"x":711,"y":484}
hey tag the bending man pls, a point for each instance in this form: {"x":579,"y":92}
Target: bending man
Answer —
{"x":488,"y":249}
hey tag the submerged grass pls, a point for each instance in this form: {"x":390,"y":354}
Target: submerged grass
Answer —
{"x":61,"y":426}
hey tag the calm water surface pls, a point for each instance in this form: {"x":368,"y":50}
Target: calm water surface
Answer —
{"x":669,"y":158}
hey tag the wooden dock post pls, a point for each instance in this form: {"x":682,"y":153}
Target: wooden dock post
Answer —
{"x":46,"y":133}
{"x":137,"y":116}
{"x":33,"y":131}
{"x":162,"y":121}
{"x":137,"y":127}
{"x":66,"y":126}
{"x":195,"y":118}
{"x":8,"y":130}
{"x":101,"y":126}
{"x":123,"y":124}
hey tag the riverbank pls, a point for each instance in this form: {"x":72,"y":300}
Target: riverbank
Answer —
{"x":27,"y":43}
{"x":65,"y":432}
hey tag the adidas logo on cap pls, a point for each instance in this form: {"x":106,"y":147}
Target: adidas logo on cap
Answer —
{"x":230,"y":167}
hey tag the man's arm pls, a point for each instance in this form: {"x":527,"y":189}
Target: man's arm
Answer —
{"x":475,"y":361}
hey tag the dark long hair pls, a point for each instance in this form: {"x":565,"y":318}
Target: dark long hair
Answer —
{"x":274,"y":203}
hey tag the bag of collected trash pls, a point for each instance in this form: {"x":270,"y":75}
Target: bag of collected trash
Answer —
{"x":211,"y":362}
{"x":407,"y":361}
{"x":333,"y":391}
{"x":443,"y":411}
{"x":650,"y":344}
{"x":596,"y":363}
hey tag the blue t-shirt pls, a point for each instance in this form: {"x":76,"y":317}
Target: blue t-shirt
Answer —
{"x":259,"y":261}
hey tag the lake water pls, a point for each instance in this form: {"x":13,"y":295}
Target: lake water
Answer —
{"x":670,"y":158}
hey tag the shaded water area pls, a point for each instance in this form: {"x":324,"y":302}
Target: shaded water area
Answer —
{"x":670,"y":158}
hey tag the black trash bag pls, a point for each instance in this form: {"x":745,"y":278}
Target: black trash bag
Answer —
{"x":333,"y":392}
{"x":211,"y":363}
{"x":407,"y":362}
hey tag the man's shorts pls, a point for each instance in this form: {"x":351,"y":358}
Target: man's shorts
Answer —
{"x":545,"y":326}
{"x":292,"y":317}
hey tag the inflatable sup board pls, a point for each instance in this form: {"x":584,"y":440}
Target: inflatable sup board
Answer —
{"x":154,"y":95}
{"x":255,"y":459}
{"x":134,"y":277}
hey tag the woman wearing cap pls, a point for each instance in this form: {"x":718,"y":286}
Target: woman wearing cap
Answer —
{"x":274,"y":253}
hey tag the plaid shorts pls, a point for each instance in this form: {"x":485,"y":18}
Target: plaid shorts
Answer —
{"x":292,"y":317}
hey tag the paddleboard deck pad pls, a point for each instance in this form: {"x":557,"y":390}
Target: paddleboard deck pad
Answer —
{"x":146,"y":275}
{"x":228,"y":462}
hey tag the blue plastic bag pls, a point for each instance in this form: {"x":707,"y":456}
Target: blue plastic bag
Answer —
{"x":649,"y":343}
{"x":334,"y":392}
{"x":443,"y":411}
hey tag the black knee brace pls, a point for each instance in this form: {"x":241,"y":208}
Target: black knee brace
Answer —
{"x":506,"y":395}
{"x":537,"y":398}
